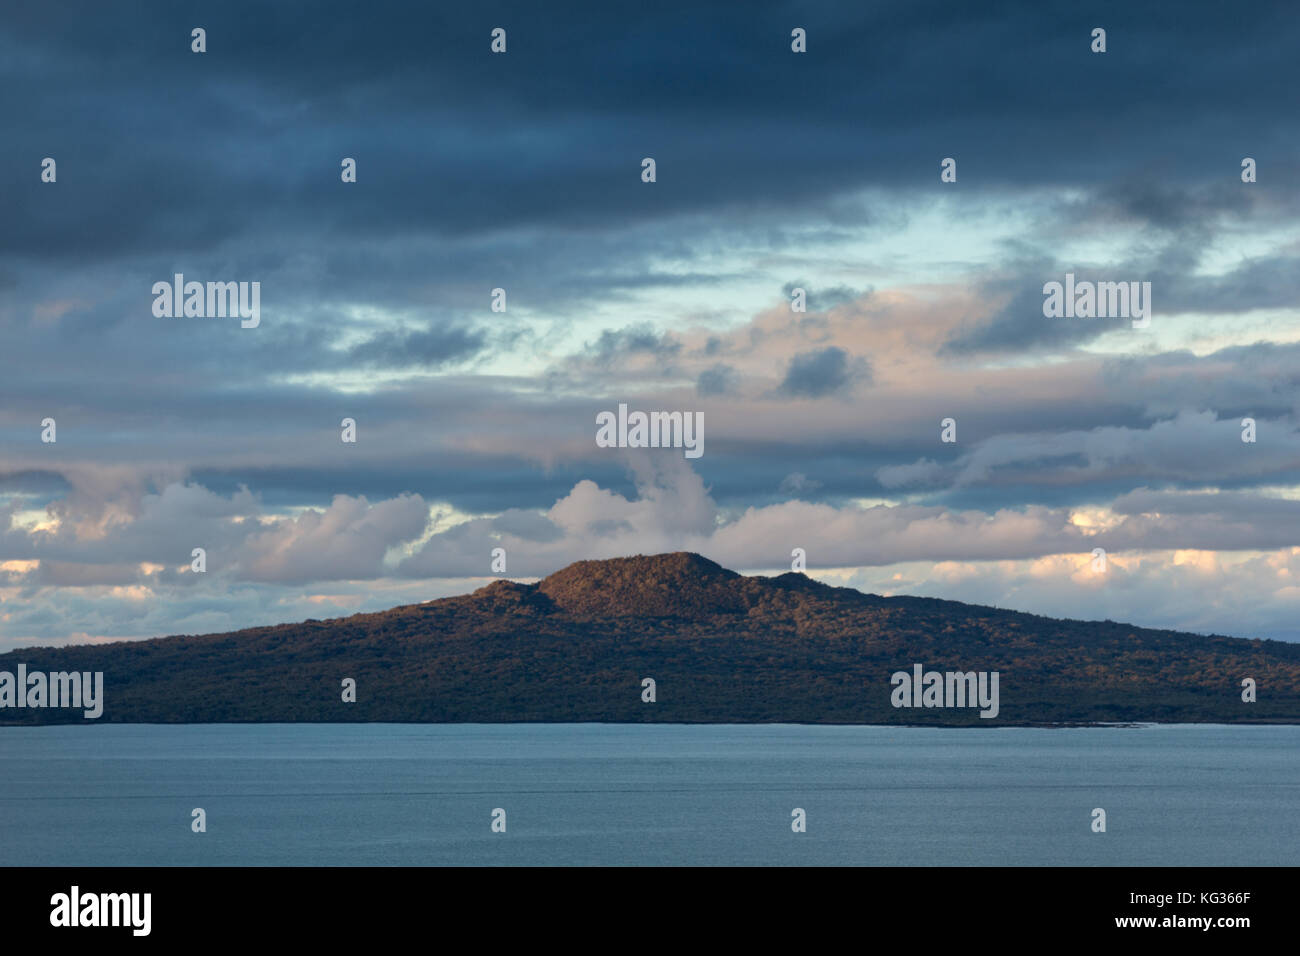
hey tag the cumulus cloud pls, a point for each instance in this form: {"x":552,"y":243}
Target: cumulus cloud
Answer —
{"x":1199,"y":591}
{"x":347,"y":540}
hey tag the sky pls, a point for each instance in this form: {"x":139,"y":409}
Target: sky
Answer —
{"x":522,"y":171}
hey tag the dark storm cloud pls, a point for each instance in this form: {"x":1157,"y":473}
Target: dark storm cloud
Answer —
{"x":1247,"y":507}
{"x":1267,"y":282}
{"x":160,"y":148}
{"x":822,"y":372}
{"x":1164,"y":205}
{"x":430,"y":347}
{"x":225,"y":164}
{"x":642,"y":338}
{"x":1020,"y":325}
{"x":718,"y":380}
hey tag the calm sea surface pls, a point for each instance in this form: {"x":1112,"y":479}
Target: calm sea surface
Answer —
{"x":317,"y":794}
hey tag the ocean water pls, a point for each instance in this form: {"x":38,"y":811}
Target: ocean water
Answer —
{"x":376,"y":794}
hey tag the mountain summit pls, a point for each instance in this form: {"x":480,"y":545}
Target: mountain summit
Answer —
{"x":719,"y":646}
{"x":680,"y":584}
